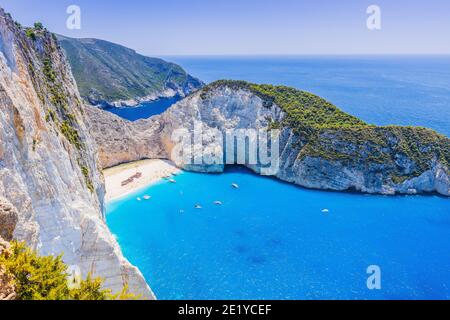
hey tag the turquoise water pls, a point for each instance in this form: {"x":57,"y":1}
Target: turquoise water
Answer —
{"x":382,"y":90}
{"x":271,"y":240}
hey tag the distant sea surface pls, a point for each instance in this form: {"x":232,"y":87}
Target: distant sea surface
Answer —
{"x":382,"y":90}
{"x":144,"y":110}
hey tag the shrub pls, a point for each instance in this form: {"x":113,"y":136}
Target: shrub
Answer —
{"x":38,"y":26}
{"x":45,"y":278}
{"x":51,"y":116}
{"x":87,"y":178}
{"x":303,"y":109}
{"x":30,"y":34}
{"x":49,"y":72}
{"x":35,"y":278}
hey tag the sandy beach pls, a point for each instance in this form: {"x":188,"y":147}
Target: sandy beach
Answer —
{"x":137,"y":174}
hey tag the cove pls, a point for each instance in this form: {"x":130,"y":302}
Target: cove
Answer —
{"x":144,"y":110}
{"x":272,"y":240}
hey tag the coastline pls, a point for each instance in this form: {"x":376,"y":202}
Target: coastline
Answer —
{"x":142,"y":174}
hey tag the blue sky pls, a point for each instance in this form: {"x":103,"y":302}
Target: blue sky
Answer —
{"x":201,"y":27}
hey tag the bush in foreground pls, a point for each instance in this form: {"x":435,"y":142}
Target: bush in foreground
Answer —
{"x":45,"y":278}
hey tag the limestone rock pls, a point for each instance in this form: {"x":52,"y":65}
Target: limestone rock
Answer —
{"x":121,"y":141}
{"x":8,"y":219}
{"x":48,"y":161}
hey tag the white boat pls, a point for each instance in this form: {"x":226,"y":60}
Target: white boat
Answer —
{"x":138,"y":199}
{"x":197,"y":206}
{"x":325,"y":210}
{"x":219,"y":203}
{"x":235,"y":185}
{"x":172,"y":181}
{"x":147,"y":197}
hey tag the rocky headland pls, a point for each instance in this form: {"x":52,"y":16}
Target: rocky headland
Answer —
{"x":321,"y":147}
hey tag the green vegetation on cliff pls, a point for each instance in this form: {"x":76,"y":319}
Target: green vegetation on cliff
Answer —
{"x":30,"y":34}
{"x":329,"y":133}
{"x":87,"y":178}
{"x":105,"y":71}
{"x":49,"y":77}
{"x":37,"y":277}
{"x":303,"y":109}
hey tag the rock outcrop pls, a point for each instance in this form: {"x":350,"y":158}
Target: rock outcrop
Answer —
{"x":7,"y":286}
{"x":320,"y":146}
{"x":121,"y":141}
{"x":48,"y":161}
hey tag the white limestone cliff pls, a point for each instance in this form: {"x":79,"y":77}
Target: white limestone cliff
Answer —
{"x":48,"y":161}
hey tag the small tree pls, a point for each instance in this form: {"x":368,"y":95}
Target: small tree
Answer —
{"x":36,"y":278}
{"x":38,"y":26}
{"x":30,"y":34}
{"x":45,"y":278}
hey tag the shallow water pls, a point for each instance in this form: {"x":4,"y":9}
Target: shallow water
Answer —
{"x":271,"y":240}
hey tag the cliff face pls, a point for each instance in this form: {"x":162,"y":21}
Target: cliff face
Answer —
{"x":108,"y":74}
{"x":320,"y":146}
{"x":8,"y":219}
{"x":121,"y":141}
{"x":48,"y":161}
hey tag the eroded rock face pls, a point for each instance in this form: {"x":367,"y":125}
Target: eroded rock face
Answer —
{"x":8,"y":219}
{"x":48,"y":161}
{"x":121,"y":141}
{"x":226,"y":108}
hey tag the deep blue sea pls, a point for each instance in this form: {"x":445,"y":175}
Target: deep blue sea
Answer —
{"x":144,"y":110}
{"x":271,"y":240}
